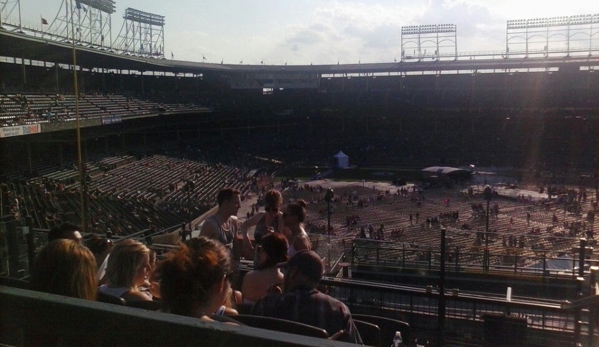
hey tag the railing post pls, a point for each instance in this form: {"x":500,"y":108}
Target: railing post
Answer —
{"x":581,"y":255}
{"x":457,"y":259}
{"x":403,"y":255}
{"x":147,"y":236}
{"x":30,"y":241}
{"x":441,"y":302}
{"x":544,"y":264}
{"x":485,"y":259}
{"x":579,"y":285}
{"x":353,"y":251}
{"x":592,"y":309}
{"x":411,"y":307}
{"x":430,"y":258}
{"x":578,"y":311}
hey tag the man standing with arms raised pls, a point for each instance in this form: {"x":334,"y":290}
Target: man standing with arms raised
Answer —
{"x":223,"y":225}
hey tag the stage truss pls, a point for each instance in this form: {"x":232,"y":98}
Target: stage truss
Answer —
{"x":556,"y":35}
{"x":143,"y":34}
{"x":440,"y":40}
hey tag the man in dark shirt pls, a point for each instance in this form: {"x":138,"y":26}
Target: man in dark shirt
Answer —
{"x":301,"y":302}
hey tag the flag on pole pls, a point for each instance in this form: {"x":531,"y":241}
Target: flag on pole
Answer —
{"x":44,"y":21}
{"x":172,"y":55}
{"x":203,"y":58}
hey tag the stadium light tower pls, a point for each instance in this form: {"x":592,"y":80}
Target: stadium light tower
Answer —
{"x":543,"y":36}
{"x":7,"y":7}
{"x":90,"y":20}
{"x":143,"y":34}
{"x":438,"y":37}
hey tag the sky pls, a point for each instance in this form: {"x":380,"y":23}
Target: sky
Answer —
{"x":299,"y":32}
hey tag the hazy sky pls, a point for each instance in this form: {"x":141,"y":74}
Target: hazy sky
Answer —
{"x":319,"y":32}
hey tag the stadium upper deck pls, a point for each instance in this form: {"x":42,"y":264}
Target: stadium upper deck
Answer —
{"x":16,"y":45}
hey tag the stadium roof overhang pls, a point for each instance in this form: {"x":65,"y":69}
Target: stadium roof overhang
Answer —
{"x":20,"y":45}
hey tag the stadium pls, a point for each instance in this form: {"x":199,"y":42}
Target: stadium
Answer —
{"x":434,"y":184}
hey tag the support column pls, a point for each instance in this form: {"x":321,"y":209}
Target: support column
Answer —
{"x":103,"y":73}
{"x":24,"y":74}
{"x":198,"y":84}
{"x":56,"y":67}
{"x":84,"y":151}
{"x":29,"y":161}
{"x":123,"y":143}
{"x":441,"y":302}
{"x":82,"y":82}
{"x":121,"y":80}
{"x":61,"y":162}
{"x":143,"y":87}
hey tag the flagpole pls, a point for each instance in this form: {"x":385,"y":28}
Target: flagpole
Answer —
{"x":78,"y":128}
{"x":20,"y":25}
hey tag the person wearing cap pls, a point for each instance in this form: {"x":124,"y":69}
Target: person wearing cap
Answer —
{"x":300,"y":301}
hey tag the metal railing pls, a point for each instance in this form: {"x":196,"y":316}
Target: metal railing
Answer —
{"x":459,"y":259}
{"x":420,"y":306}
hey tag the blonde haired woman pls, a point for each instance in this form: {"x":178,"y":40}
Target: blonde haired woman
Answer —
{"x":128,"y":268}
